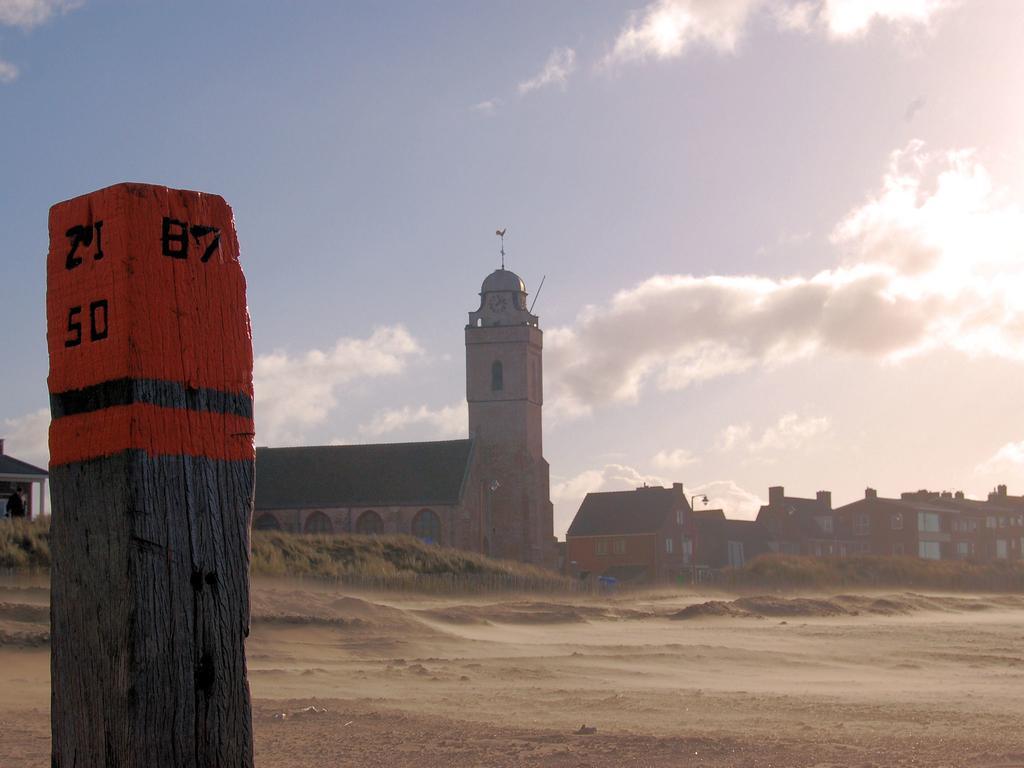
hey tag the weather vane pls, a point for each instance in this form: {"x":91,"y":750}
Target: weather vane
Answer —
{"x":501,"y":233}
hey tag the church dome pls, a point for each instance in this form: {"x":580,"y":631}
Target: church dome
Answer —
{"x":503,"y":280}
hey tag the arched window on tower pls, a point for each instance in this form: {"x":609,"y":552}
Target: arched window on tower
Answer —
{"x":426,"y":526}
{"x":497,"y":376}
{"x":370,"y":523}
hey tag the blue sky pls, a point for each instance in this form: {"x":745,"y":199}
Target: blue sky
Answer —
{"x":782,"y":239}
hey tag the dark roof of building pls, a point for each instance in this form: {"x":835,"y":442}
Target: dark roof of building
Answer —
{"x":645,"y":510}
{"x":12,"y":466}
{"x":391,"y":474}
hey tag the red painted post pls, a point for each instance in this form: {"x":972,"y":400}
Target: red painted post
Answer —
{"x":151,"y":472}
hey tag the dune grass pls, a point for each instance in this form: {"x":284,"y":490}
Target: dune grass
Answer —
{"x":801,"y":572}
{"x":385,"y":561}
{"x":25,"y":545}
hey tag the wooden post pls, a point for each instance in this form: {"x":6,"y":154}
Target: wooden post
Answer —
{"x":151,"y":470}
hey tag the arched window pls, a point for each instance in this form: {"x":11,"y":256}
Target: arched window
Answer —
{"x":266,"y":523}
{"x":318,"y":522}
{"x":370,"y":523}
{"x":497,"y":376}
{"x":426,"y":526}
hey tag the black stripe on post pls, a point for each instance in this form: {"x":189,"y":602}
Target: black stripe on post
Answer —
{"x":167,"y":394}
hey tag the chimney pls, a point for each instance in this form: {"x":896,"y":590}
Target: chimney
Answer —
{"x":1000,"y":489}
{"x":870,"y":493}
{"x":678,"y":487}
{"x":825,"y":499}
{"x":959,"y":495}
{"x":776,"y":495}
{"x":1,"y":446}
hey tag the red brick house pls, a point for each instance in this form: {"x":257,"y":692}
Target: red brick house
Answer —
{"x":938,"y":525}
{"x":643,"y":535}
{"x":802,"y":526}
{"x":720,"y":542}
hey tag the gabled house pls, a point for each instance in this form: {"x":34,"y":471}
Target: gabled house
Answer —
{"x":644,"y":535}
{"x":720,"y":542}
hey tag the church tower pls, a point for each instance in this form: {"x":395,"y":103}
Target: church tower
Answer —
{"x":504,"y":387}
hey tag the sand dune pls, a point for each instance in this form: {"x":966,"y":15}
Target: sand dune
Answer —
{"x":402,"y":680}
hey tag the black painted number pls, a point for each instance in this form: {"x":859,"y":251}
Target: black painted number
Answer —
{"x":74,"y":328}
{"x":99,"y":324}
{"x":174,"y":238}
{"x":81,"y":235}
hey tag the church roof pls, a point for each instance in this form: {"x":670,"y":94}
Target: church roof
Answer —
{"x":391,"y":474}
{"x":18,"y":468}
{"x":503,"y":280}
{"x":645,"y":510}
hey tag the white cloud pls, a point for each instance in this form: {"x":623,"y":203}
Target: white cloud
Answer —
{"x":676,"y":459}
{"x":666,"y":29}
{"x":733,"y":436}
{"x":28,"y":437}
{"x":1008,"y":459}
{"x":8,"y":72}
{"x":31,"y":13}
{"x":486,"y":107}
{"x":447,"y":422}
{"x":935,"y":259}
{"x":568,"y":494}
{"x":737,"y":503}
{"x":295,"y":393}
{"x":559,"y":65}
{"x":790,"y":432}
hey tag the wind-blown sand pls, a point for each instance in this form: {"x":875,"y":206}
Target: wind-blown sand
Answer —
{"x":667,"y":680}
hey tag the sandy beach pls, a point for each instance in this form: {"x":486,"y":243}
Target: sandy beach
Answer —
{"x":666,"y":679}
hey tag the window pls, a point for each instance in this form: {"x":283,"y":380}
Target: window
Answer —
{"x":619,"y":547}
{"x":369,"y":523}
{"x":426,"y":526}
{"x":825,"y":523}
{"x":861,"y":525}
{"x":497,"y":376}
{"x":736,"y":558}
{"x":318,"y":522}
{"x":929,"y":550}
{"x":601,"y":547}
{"x":990,"y":521}
{"x":896,"y":521}
{"x":963,"y":549}
{"x":928,"y":522}
{"x":668,"y":546}
{"x":1001,"y":549}
{"x":688,"y":550}
{"x":266,"y":523}
{"x":1002,"y":522}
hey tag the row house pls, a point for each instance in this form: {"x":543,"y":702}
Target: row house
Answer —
{"x":937,"y":525}
{"x":802,"y":526}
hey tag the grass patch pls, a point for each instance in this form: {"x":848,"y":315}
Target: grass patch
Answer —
{"x":392,"y":562}
{"x":25,"y":545}
{"x":793,"y":572}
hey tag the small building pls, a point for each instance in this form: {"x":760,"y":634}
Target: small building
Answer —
{"x":14,"y":474}
{"x":803,"y":526}
{"x":644,"y":535}
{"x":720,"y":542}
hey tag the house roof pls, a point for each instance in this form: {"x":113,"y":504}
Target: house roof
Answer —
{"x":10,"y":466}
{"x":392,"y":474}
{"x":645,"y":510}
